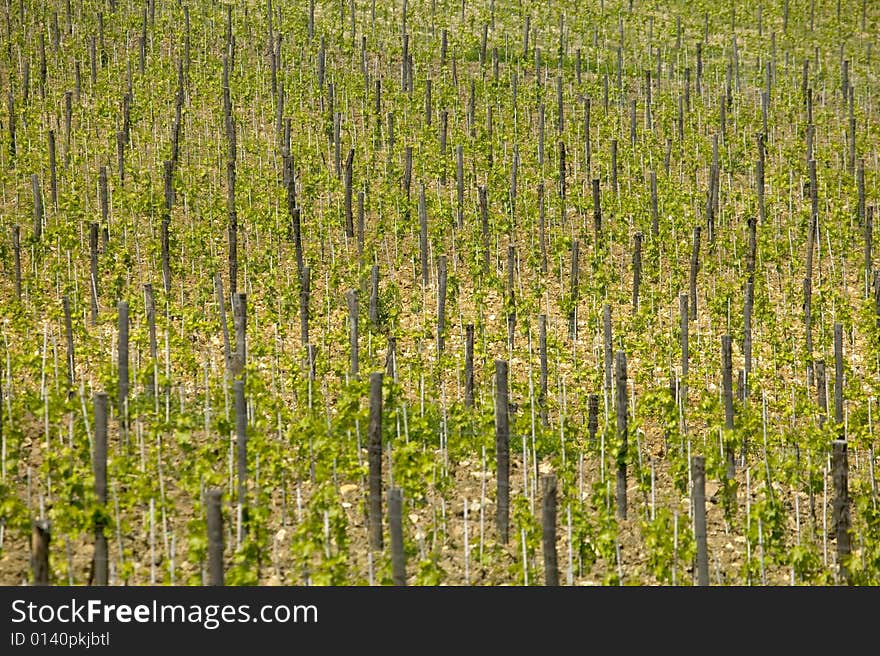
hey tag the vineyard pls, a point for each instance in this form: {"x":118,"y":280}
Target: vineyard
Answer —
{"x":435,"y":292}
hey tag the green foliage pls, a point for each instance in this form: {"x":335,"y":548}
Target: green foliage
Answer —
{"x":429,"y":571}
{"x":864,"y":565}
{"x":320,"y":541}
{"x":413,"y":469}
{"x":308,"y":432}
{"x":670,"y":545}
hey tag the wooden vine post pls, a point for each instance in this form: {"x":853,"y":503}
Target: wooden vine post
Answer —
{"x":698,"y":499}
{"x":40,"y":537}
{"x":548,"y":524}
{"x":374,"y":454}
{"x":100,"y":562}
{"x":502,"y":451}
{"x":620,"y":389}
{"x":215,"y":536}
{"x":395,"y":523}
